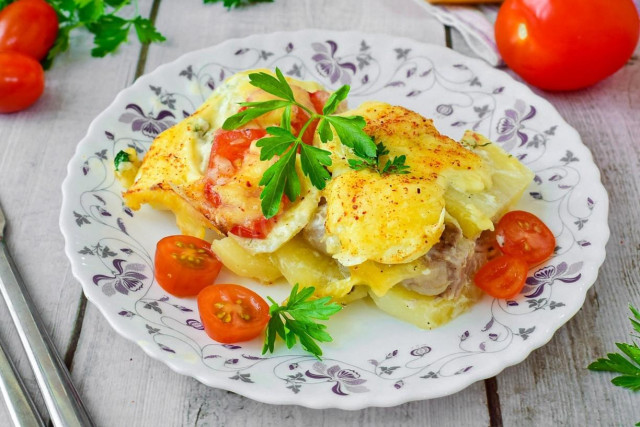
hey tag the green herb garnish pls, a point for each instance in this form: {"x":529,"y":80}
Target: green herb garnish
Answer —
{"x":281,"y":177}
{"x":237,"y":3}
{"x":628,"y":366}
{"x":294,"y":320}
{"x":395,"y":165}
{"x":101,"y":18}
{"x":121,"y":157}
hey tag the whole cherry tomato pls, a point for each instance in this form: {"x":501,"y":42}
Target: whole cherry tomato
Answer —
{"x":232,"y":313}
{"x":184,"y":265}
{"x":29,"y":27}
{"x":21,"y":81}
{"x":502,"y":277}
{"x":565,"y":45}
{"x":524,"y":235}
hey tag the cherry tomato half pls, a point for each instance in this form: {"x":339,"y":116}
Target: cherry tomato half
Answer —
{"x":524,"y":235}
{"x":21,"y":81}
{"x":29,"y":27}
{"x":502,"y":277}
{"x":565,"y":45}
{"x":185,"y":265}
{"x":232,"y":313}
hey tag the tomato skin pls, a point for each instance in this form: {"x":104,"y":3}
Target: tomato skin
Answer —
{"x":257,"y":229}
{"x":225,"y":320}
{"x":233,"y":144}
{"x":565,"y":45}
{"x":29,"y":27}
{"x":318,"y":99}
{"x":21,"y":81}
{"x":524,"y":235}
{"x":184,"y":265}
{"x":502,"y":277}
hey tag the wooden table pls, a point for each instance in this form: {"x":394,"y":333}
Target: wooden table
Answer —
{"x":122,"y":386}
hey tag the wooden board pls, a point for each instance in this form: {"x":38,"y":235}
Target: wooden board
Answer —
{"x":35,"y":146}
{"x":553,"y":386}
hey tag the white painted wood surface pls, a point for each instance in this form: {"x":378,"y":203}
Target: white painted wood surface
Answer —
{"x":122,"y":386}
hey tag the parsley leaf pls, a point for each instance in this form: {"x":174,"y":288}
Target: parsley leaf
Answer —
{"x":237,"y":3}
{"x":101,"y":18}
{"x":351,"y":133}
{"x":121,"y":157}
{"x":296,"y":320}
{"x":313,"y":160}
{"x":282,"y":174}
{"x":395,"y":165}
{"x":281,"y":177}
{"x":628,"y":366}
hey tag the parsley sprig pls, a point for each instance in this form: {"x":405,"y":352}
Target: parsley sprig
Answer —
{"x":281,"y":177}
{"x":237,"y":3}
{"x":628,"y":366}
{"x":102,"y":19}
{"x":395,"y":165}
{"x":295,"y":320}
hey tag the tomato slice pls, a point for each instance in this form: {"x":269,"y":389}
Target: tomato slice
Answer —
{"x":502,"y":277}
{"x":318,"y":99}
{"x":232,"y":313}
{"x":299,"y":118}
{"x":233,"y":144}
{"x":184,"y":265}
{"x":257,"y":229}
{"x":524,"y":235}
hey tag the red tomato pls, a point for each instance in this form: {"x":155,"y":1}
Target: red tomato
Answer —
{"x":232,"y":313}
{"x":502,"y":277}
{"x":524,"y":235}
{"x":318,"y":99}
{"x":299,"y":118}
{"x":233,"y":144}
{"x":564,"y":45}
{"x":185,"y":265}
{"x":257,"y":229}
{"x":21,"y":81}
{"x":29,"y":27}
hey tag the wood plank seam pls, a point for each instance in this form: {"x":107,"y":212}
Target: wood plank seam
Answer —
{"x":142,"y":58}
{"x":75,"y":333}
{"x":82,"y":306}
{"x":493,"y":402}
{"x":490,"y":384}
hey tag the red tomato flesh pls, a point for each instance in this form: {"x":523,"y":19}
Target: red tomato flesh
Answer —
{"x":565,"y":45}
{"x":502,"y":277}
{"x":184,"y":265}
{"x":232,"y":313}
{"x":233,"y":144}
{"x":318,"y":99}
{"x":29,"y":27}
{"x":524,"y":235}
{"x":21,"y":81}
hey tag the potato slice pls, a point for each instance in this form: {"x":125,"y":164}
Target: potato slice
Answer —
{"x":242,"y":263}
{"x":426,"y":312}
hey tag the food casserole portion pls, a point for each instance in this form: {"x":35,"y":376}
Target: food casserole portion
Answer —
{"x":410,"y":240}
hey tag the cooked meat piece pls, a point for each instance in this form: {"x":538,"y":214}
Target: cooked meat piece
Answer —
{"x":452,"y":262}
{"x":314,"y":232}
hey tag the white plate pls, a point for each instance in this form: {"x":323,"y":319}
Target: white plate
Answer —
{"x":374,"y":360}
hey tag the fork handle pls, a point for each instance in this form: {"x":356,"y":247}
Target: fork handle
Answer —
{"x":60,"y":396}
{"x":22,"y":410}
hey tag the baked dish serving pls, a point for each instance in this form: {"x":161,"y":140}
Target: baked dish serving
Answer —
{"x":367,"y":203}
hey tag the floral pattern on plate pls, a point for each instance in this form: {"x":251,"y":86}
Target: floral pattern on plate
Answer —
{"x":374,"y":360}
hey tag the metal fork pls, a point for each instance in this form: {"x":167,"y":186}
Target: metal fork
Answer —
{"x":60,"y":396}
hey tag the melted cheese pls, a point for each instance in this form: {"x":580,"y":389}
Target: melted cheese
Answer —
{"x":394,"y":219}
{"x":172,"y":173}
